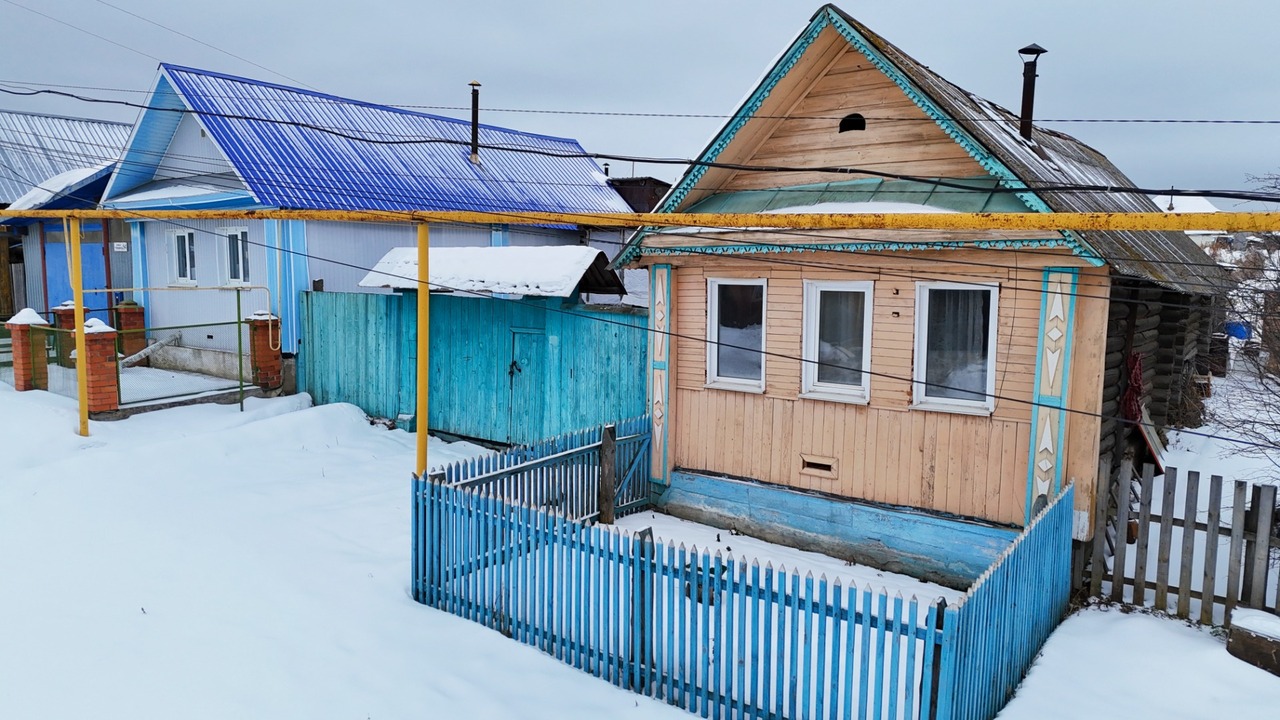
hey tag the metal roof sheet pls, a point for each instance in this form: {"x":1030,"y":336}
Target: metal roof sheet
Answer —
{"x":301,"y":149}
{"x":537,"y":271}
{"x":34,"y":148}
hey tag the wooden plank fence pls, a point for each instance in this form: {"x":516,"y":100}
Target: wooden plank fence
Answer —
{"x":506,"y":542}
{"x":1187,"y":548}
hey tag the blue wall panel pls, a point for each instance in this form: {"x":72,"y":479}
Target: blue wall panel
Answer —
{"x":578,"y":366}
{"x":944,"y":550}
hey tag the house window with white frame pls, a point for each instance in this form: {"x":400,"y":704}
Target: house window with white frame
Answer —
{"x":837,"y":340}
{"x":955,"y":346}
{"x":237,"y":240}
{"x":735,"y":334}
{"x":183,"y":246}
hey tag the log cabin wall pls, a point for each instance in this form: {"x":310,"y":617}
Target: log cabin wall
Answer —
{"x":884,"y":451}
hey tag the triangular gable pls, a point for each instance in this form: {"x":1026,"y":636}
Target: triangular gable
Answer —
{"x":834,"y":67}
{"x":169,"y":141}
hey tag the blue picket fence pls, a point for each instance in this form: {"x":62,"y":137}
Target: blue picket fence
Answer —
{"x":509,"y":542}
{"x":1009,"y":613}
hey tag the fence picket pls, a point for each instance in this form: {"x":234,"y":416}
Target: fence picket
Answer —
{"x":1238,"y":511}
{"x":1166,"y":537}
{"x":1190,"y":504}
{"x":1261,"y":556}
{"x":1208,"y":584}
{"x":1123,"y":511}
{"x":1144,"y":535}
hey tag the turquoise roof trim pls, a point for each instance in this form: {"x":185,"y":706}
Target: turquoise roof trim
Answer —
{"x":744,"y":248}
{"x":824,"y":18}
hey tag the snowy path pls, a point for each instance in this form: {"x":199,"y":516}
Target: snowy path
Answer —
{"x":203,"y":563}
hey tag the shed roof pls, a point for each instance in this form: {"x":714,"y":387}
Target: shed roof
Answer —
{"x":539,"y":271}
{"x":295,"y":148}
{"x":35,"y":148}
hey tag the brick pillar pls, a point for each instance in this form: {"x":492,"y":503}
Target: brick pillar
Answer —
{"x":64,"y":318}
{"x":130,"y":324}
{"x":264,"y":351}
{"x":102,"y":367}
{"x":30,"y":369}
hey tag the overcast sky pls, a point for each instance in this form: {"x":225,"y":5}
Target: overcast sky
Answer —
{"x":1173,"y":59}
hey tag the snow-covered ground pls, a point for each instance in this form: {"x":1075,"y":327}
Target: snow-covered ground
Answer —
{"x":200,"y":562}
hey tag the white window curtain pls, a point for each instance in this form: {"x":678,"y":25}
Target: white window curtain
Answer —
{"x":840,"y":331}
{"x":957,"y":362}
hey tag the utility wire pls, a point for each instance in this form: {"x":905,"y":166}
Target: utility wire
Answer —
{"x":201,"y":42}
{"x":379,"y":138}
{"x":673,"y":115}
{"x":80,"y":29}
{"x":708,"y":341}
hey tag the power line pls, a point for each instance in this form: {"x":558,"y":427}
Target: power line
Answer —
{"x":86,"y":32}
{"x":393,"y":139}
{"x":675,"y":115}
{"x":228,"y":53}
{"x":708,"y":341}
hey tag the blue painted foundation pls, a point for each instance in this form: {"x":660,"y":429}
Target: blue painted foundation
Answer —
{"x":946,"y":550}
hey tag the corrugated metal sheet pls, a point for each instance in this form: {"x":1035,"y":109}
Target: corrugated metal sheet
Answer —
{"x":577,"y":368}
{"x":288,"y":165}
{"x":34,"y":148}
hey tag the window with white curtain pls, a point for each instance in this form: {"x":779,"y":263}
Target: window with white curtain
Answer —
{"x":837,"y":340}
{"x":955,"y":346}
{"x":735,"y":334}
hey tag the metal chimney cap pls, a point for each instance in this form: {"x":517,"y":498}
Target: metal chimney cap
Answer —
{"x":1033,"y":50}
{"x":476,"y":83}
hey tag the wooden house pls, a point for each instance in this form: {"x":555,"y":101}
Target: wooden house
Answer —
{"x":963,"y":374}
{"x":213,"y":141}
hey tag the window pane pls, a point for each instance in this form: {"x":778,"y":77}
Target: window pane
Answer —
{"x":181,"y":253}
{"x":233,"y":257}
{"x":956,"y":362}
{"x":741,"y":324}
{"x":191,"y":252}
{"x":244,"y":256}
{"x":840,"y":329}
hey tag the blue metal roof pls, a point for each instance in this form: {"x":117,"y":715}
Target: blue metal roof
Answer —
{"x":276,"y":140}
{"x":34,"y":148}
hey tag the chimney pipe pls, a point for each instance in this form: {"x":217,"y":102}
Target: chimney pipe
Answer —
{"x":475,"y":122}
{"x":1030,"y":55}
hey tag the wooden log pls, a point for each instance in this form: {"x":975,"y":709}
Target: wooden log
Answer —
{"x":1188,"y":544}
{"x":1144,"y":536}
{"x":608,"y":474}
{"x":1208,"y":584}
{"x":150,"y":350}
{"x":1166,"y":529}
{"x":1238,"y":511}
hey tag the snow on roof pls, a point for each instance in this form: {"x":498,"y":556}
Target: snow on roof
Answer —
{"x":881,"y":207}
{"x":1184,"y":204}
{"x":27,"y":316}
{"x":58,"y":185}
{"x":552,"y":271}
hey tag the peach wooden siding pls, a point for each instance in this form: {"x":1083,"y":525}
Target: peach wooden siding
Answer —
{"x":899,"y":137}
{"x":883,"y":451}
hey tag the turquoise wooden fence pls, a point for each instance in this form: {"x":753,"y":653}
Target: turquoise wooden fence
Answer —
{"x":1008,"y":614}
{"x":501,"y":370}
{"x":508,"y":542}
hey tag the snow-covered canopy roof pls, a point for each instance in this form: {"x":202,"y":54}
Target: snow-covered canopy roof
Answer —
{"x":75,"y":188}
{"x":542,"y":271}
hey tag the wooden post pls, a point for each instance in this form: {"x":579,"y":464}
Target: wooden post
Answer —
{"x":1251,"y":544}
{"x":606,"y":496}
{"x":1260,"y":557}
{"x":1144,"y":536}
{"x":1187,"y":557}
{"x":1208,"y":583}
{"x":1166,"y":538}
{"x":1237,"y":546}
{"x":1098,"y":564}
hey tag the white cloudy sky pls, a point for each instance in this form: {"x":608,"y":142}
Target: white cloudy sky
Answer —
{"x":1174,"y":59}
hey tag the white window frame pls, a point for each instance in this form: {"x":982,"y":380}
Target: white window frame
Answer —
{"x":810,"y":386}
{"x":225,"y":239}
{"x":955,"y":405}
{"x":714,"y":380}
{"x":172,"y":237}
